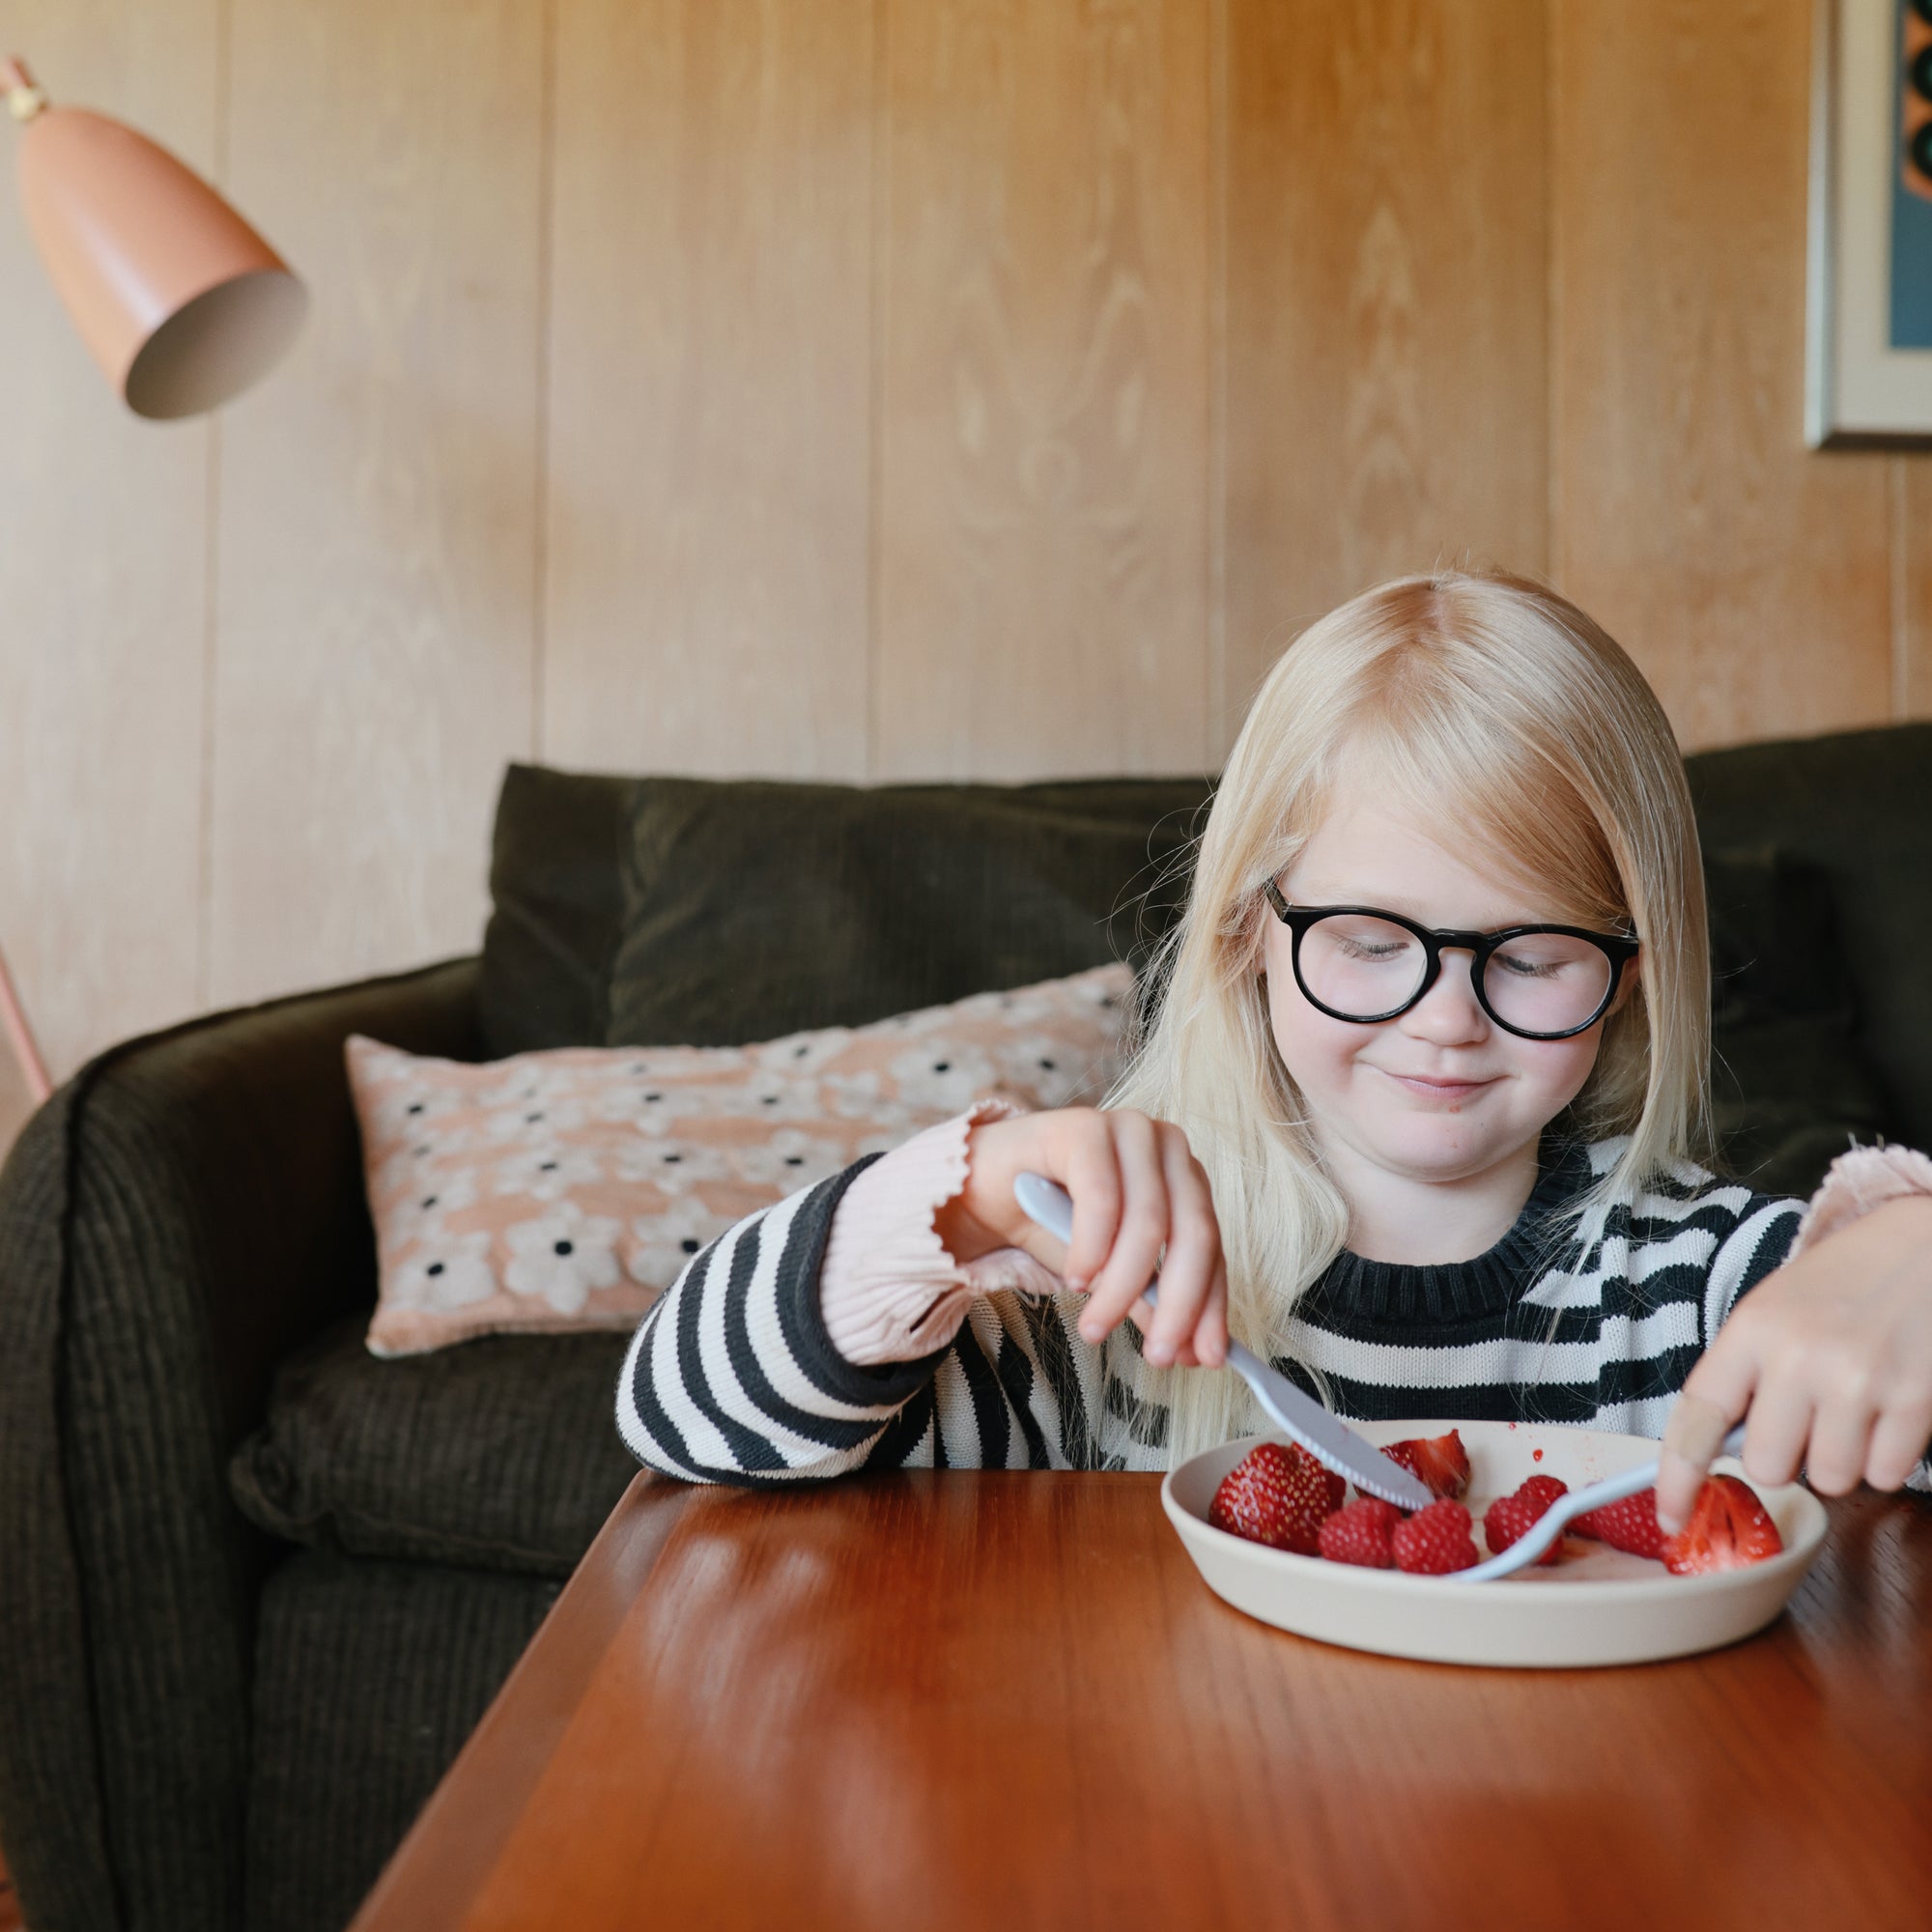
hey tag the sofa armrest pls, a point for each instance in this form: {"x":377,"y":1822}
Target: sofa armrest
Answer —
{"x":182,"y":1214}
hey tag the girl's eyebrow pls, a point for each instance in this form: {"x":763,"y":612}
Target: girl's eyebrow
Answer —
{"x":1321,"y":894}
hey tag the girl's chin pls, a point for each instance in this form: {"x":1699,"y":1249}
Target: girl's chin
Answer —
{"x":1438,"y":1155}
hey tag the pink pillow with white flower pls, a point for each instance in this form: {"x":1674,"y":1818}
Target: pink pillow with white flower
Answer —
{"x":566,"y":1189}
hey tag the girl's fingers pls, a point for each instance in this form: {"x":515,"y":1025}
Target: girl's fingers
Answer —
{"x":1192,"y":1251}
{"x":1782,"y":1414}
{"x":1092,"y":1178}
{"x":1135,"y":1253}
{"x":1836,"y":1451}
{"x":1714,"y":1395}
{"x":1898,"y":1441}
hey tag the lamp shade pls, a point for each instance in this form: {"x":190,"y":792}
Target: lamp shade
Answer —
{"x":179,"y":301}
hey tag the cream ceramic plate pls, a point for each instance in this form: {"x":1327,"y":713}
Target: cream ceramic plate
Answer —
{"x":1596,"y":1605}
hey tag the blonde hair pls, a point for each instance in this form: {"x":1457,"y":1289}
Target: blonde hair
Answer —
{"x":1489,"y":702}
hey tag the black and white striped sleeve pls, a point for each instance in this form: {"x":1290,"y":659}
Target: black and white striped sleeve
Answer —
{"x":731,"y":1377}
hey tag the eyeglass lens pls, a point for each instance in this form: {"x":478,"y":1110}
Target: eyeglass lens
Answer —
{"x":1363,"y":968}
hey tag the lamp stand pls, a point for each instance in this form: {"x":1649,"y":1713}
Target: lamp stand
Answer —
{"x":13,"y":1021}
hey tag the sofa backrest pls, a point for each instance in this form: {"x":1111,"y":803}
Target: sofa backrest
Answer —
{"x":1857,"y":807}
{"x":581,"y":860}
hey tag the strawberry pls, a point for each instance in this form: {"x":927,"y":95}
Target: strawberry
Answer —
{"x":1439,"y":1463}
{"x":1360,"y":1534}
{"x":1543,"y":1491}
{"x":1510,"y":1518}
{"x":1434,"y":1541}
{"x":1630,"y":1525}
{"x":1277,"y":1495}
{"x":1729,"y":1529}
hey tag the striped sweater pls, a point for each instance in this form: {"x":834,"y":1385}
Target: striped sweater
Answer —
{"x":733,"y":1377}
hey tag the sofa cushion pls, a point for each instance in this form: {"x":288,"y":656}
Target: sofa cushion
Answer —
{"x":556,"y":898}
{"x":757,"y":909}
{"x":498,"y":1454}
{"x":566,"y":1189}
{"x":1854,"y":807}
{"x":1790,"y":1083}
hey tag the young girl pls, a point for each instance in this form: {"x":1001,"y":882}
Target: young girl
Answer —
{"x":1417,"y":1118}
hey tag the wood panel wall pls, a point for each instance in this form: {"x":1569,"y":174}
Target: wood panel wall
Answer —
{"x":877,"y":388}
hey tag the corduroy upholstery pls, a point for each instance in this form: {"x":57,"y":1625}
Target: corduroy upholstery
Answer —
{"x":186,"y":1211}
{"x":369,"y":1676}
{"x":499,"y":1454}
{"x":209,"y":1723}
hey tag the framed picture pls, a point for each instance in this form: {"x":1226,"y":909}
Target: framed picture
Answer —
{"x":1868,"y":324}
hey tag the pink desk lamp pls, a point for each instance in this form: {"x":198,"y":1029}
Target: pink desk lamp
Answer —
{"x":178,"y":300}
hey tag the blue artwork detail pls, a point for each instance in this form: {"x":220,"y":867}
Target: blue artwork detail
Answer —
{"x":1911,"y":206}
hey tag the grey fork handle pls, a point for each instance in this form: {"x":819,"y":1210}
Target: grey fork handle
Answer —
{"x":1325,"y":1437}
{"x":1549,"y":1525}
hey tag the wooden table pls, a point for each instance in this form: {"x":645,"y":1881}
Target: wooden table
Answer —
{"x":966,"y":1701}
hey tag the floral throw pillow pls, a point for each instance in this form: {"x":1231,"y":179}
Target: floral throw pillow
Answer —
{"x":566,"y":1189}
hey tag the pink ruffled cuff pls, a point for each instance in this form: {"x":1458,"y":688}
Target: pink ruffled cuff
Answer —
{"x":889,"y":1291}
{"x":1859,"y":1180}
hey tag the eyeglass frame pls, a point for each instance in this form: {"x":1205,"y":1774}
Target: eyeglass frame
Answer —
{"x":1618,"y":947}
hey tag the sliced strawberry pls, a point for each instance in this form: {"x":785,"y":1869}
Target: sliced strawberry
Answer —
{"x":1361,"y":1534}
{"x":1510,"y":1518}
{"x":1277,"y":1495}
{"x":1729,"y":1529}
{"x":1438,"y":1463}
{"x":1435,"y":1541}
{"x":1630,"y":1525}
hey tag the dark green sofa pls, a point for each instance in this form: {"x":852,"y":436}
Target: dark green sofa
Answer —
{"x":259,"y":1586}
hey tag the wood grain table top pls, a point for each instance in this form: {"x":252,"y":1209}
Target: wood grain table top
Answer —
{"x":969,"y":1700}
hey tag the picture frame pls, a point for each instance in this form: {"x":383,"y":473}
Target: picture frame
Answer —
{"x":1868,"y":321}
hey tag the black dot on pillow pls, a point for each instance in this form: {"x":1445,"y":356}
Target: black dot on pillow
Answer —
{"x":689,"y":1244}
{"x":672,"y":1159}
{"x":433,"y":1268}
{"x":794,"y":1160}
{"x":416,"y":1106}
{"x":566,"y":1247}
{"x":533,"y":1117}
{"x":420,"y":1152}
{"x":1048,"y":1064}
{"x":545,"y":1167}
{"x":653,"y":1096}
{"x":799,"y":1052}
{"x":941,"y":1065}
{"x":429,"y":1200}
{"x":771,"y":1101}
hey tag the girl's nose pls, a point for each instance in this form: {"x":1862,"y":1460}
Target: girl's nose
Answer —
{"x":1449,"y":1014}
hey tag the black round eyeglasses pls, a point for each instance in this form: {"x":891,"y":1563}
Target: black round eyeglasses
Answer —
{"x":1363,"y":964}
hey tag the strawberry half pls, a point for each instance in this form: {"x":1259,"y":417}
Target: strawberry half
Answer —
{"x":1630,"y":1525}
{"x":1361,"y":1534}
{"x":1729,"y":1529}
{"x":1277,"y":1495}
{"x":1438,"y":1463}
{"x":1435,"y":1541}
{"x":1509,"y":1518}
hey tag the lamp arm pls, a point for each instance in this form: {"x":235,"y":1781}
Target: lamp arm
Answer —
{"x":14,"y":1023}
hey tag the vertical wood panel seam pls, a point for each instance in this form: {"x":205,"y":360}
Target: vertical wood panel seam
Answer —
{"x":204,"y":854}
{"x":546,"y":275}
{"x":1901,"y":615}
{"x":1215,"y":732}
{"x":878,"y":169}
{"x":1552,"y":300}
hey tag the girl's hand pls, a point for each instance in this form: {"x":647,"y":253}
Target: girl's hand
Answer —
{"x":1137,"y":1189}
{"x":1833,"y":1357}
